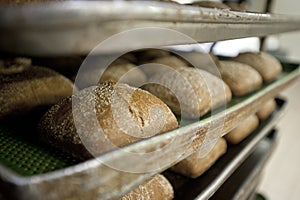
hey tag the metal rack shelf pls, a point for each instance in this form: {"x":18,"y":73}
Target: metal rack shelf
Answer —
{"x":77,"y":27}
{"x":243,"y":182}
{"x":209,"y":183}
{"x":186,"y":140}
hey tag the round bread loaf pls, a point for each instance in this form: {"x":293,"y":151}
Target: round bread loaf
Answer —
{"x":115,"y":72}
{"x":169,"y":61}
{"x":241,"y":78}
{"x":237,"y":6}
{"x":242,"y":130}
{"x":125,"y":73}
{"x":267,"y":65}
{"x":211,"y":4}
{"x":130,"y":57}
{"x":157,"y":188}
{"x":150,"y":54}
{"x":120,"y":61}
{"x":33,"y":87}
{"x":189,"y":92}
{"x":266,"y":110}
{"x":103,"y":118}
{"x":12,"y":2}
{"x":195,"y":165}
{"x":14,"y":65}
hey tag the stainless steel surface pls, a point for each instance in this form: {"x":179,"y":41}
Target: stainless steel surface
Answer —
{"x":76,"y":27}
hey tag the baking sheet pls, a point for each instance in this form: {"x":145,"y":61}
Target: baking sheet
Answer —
{"x":77,"y":27}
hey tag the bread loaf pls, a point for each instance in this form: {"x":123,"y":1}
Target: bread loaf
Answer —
{"x":242,"y":130}
{"x":241,"y":78}
{"x":130,"y":57}
{"x":237,"y":6}
{"x":146,"y":55}
{"x":195,"y":165}
{"x":266,"y":110}
{"x":211,"y":4}
{"x":14,"y":65}
{"x":32,"y":88}
{"x":189,"y":91}
{"x":107,"y":116}
{"x":267,"y":65}
{"x":132,"y":75}
{"x":168,"y":61}
{"x":125,"y":73}
{"x":171,"y":61}
{"x":157,"y":188}
{"x":12,"y":2}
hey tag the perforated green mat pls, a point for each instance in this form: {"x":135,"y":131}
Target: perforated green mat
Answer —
{"x":28,"y":157}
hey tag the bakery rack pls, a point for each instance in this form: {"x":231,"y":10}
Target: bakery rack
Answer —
{"x":209,"y":184}
{"x":75,"y":28}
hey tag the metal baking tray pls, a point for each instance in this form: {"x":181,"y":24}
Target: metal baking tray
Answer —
{"x":32,"y":171}
{"x":244,"y":181}
{"x":77,"y":27}
{"x":209,"y":183}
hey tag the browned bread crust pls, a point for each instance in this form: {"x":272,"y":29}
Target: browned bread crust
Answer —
{"x":266,"y":110}
{"x":242,"y":130}
{"x":197,"y":90}
{"x":157,"y":188}
{"x":267,"y":65}
{"x":125,"y":115}
{"x":211,"y":4}
{"x":241,"y":78}
{"x":33,"y":87}
{"x":195,"y":165}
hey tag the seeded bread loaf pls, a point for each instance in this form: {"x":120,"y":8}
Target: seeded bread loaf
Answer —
{"x":241,"y":78}
{"x":195,"y":165}
{"x":32,"y":88}
{"x":267,"y":65}
{"x":157,"y":188}
{"x":242,"y":130}
{"x":103,"y":118}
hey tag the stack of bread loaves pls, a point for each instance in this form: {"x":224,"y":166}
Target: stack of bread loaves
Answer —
{"x":109,"y":115}
{"x":245,"y":74}
{"x":190,"y":93}
{"x":25,"y":88}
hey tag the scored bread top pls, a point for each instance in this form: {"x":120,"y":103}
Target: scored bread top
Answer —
{"x":105,"y":117}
